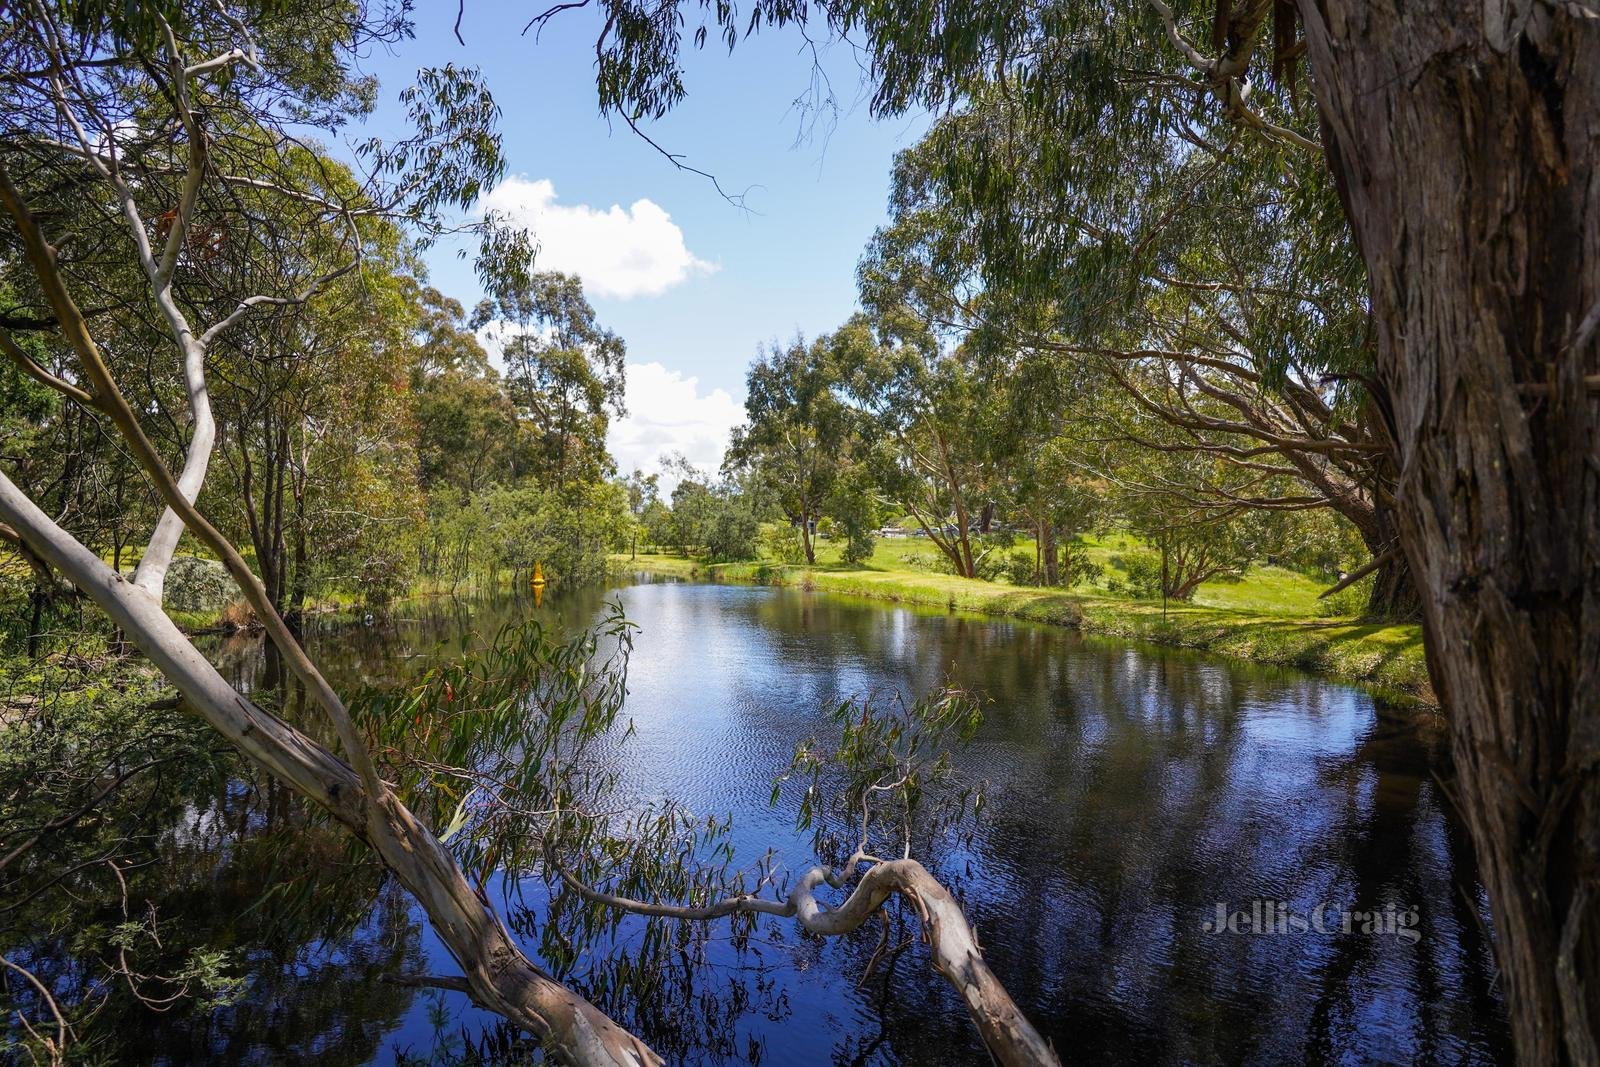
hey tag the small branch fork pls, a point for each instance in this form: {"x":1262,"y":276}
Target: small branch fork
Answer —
{"x":54,"y":1047}
{"x":1225,"y":76}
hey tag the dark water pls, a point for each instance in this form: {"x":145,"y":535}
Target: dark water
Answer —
{"x":1131,"y":790}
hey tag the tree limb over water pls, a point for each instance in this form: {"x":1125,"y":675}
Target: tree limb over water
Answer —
{"x":1007,"y":1033}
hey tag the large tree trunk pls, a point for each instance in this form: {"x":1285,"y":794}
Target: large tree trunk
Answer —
{"x":1464,"y":141}
{"x":151,"y":574}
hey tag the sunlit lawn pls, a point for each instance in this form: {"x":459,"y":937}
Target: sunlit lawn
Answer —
{"x":1264,"y":590}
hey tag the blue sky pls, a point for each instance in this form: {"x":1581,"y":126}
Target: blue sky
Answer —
{"x":692,"y":283}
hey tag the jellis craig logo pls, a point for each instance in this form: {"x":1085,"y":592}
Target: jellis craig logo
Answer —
{"x":1276,"y":918}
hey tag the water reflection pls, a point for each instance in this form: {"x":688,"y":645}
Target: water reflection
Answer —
{"x":1131,"y":789}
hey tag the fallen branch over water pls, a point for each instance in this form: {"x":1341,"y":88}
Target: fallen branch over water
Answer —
{"x":1007,"y":1033}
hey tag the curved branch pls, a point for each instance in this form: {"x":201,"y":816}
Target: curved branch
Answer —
{"x":31,"y":368}
{"x":1007,"y":1033}
{"x":1361,"y":572}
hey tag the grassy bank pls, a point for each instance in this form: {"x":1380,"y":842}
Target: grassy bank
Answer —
{"x":1268,"y":617}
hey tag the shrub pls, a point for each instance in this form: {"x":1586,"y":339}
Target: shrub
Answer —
{"x":386,"y":572}
{"x":733,"y":534}
{"x":195,"y":584}
{"x":1144,"y":575}
{"x":859,"y":541}
{"x":1020,"y":569}
{"x":855,"y":515}
{"x":990,"y":567}
{"x":1076,"y":568}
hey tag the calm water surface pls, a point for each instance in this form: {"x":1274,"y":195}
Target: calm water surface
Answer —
{"x":1131,"y":790}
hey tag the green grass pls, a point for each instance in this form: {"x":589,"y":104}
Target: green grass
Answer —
{"x":1269,"y":616}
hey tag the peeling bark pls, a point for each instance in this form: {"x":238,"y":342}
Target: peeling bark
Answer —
{"x":1464,"y":140}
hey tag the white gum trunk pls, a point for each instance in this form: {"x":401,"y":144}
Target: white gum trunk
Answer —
{"x":498,"y":975}
{"x":151,"y":574}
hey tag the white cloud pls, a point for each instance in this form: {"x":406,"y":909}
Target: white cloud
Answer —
{"x":619,"y":252}
{"x":668,"y":413}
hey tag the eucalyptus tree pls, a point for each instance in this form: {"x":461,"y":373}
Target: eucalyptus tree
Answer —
{"x":1061,"y":498}
{"x":468,"y":436}
{"x":313,"y":405}
{"x":1151,"y":492}
{"x":933,"y":419}
{"x":801,"y":435}
{"x":1226,"y":300}
{"x":127,"y":132}
{"x":186,"y":105}
{"x":564,"y":371}
{"x":1462,"y":145}
{"x":322,"y":453}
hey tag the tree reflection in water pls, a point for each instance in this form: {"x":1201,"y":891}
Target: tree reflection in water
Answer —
{"x":1130,"y":790}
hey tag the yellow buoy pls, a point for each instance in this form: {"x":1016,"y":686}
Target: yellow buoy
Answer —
{"x":538,"y":574}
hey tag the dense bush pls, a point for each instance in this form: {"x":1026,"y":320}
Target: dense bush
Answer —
{"x":506,"y":530}
{"x":1143,"y":575}
{"x":195,"y":584}
{"x":734,"y":534}
{"x":1075,"y":567}
{"x":856,"y":514}
{"x":1021,"y":569}
{"x":990,"y":566}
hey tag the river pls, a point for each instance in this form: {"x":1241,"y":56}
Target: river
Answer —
{"x":1132,"y":791}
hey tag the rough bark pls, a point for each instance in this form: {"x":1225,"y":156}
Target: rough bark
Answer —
{"x":1394,"y":593}
{"x":1464,"y":142}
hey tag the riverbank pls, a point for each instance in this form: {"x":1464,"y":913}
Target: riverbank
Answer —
{"x":1387,"y":656}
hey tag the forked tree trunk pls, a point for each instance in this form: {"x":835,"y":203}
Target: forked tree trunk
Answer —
{"x":1464,"y":140}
